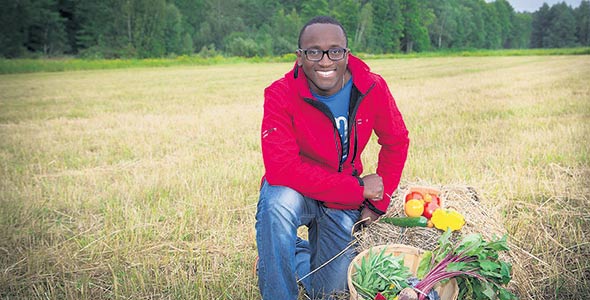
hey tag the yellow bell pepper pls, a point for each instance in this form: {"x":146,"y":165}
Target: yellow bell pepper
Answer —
{"x":444,"y":218}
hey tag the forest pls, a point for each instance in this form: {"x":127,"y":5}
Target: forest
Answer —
{"x":249,"y":28}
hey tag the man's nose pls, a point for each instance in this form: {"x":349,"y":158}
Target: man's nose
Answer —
{"x":325,"y":61}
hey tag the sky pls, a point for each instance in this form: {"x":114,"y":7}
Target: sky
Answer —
{"x":534,"y":5}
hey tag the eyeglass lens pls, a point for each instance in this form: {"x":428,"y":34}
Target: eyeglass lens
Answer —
{"x":317,"y":55}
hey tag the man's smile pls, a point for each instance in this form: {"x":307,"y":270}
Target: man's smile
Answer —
{"x":326,"y":74}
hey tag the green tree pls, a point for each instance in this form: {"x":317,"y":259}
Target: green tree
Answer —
{"x":173,"y":30}
{"x":290,"y":5}
{"x":14,"y":22}
{"x":187,"y":44}
{"x":417,"y":17}
{"x":223,"y":17}
{"x":493,"y":27}
{"x":312,"y":8}
{"x":363,"y":28}
{"x":582,"y":14}
{"x":284,"y":29}
{"x":264,"y":41}
{"x":443,"y":29}
{"x":46,"y":30}
{"x":239,"y":44}
{"x":255,"y":13}
{"x":474,"y":25}
{"x":193,"y":14}
{"x":540,"y":26}
{"x":67,"y":10}
{"x":387,"y":27}
{"x":348,"y":13}
{"x":520,"y":36}
{"x":562,"y":29}
{"x":105,"y":28}
{"x":148,"y":34}
{"x":505,"y":17}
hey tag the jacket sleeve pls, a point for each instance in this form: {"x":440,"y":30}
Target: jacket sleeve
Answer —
{"x":284,"y":166}
{"x":393,"y":137}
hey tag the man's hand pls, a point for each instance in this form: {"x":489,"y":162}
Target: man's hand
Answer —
{"x":368,"y":214}
{"x":373,"y":187}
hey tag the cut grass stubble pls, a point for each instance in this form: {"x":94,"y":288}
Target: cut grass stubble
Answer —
{"x":143,"y":183}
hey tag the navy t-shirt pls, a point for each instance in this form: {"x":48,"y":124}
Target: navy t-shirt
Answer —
{"x":338,"y":104}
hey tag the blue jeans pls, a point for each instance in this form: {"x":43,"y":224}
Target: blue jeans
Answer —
{"x":284,"y":257}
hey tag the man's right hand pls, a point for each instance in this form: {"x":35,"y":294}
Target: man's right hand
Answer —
{"x":373,"y":187}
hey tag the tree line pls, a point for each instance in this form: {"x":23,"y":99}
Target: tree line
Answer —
{"x":157,"y":28}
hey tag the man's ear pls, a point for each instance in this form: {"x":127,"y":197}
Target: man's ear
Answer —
{"x":346,"y":62}
{"x":299,"y":58}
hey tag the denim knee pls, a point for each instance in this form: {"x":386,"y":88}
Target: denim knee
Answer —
{"x":279,"y":204}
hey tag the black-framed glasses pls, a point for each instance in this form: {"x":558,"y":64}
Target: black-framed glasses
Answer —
{"x":315,"y":55}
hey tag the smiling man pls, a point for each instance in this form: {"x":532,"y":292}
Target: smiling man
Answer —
{"x":317,"y":121}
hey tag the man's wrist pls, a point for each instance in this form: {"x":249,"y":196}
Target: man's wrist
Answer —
{"x":372,"y":207}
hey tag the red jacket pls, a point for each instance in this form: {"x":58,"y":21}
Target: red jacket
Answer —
{"x":301,"y":146}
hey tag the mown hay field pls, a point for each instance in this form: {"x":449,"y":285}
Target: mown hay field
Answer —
{"x":142,"y":183}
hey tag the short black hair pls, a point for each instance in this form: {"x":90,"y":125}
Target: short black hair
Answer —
{"x":321,"y":20}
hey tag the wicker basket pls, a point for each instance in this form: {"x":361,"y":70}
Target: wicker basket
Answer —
{"x":412,"y":255}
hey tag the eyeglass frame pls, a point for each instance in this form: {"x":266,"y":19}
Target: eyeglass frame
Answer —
{"x":325,"y":52}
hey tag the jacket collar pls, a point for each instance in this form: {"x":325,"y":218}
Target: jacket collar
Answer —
{"x":360,"y":77}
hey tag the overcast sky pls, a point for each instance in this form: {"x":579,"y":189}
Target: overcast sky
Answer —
{"x":534,"y":5}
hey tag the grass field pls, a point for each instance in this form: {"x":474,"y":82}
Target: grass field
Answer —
{"x":141,"y":183}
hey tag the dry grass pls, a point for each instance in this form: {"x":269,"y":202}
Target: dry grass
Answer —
{"x":142,"y":183}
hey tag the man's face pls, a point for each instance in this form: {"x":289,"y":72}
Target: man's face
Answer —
{"x":325,"y":77}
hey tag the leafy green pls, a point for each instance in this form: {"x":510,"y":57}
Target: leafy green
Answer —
{"x":380,"y":273}
{"x":425,"y":265}
{"x":475,"y":263}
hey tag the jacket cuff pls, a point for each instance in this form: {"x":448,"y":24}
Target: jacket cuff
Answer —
{"x":372,"y":207}
{"x":361,"y":182}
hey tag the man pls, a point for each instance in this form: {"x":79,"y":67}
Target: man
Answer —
{"x":317,"y":121}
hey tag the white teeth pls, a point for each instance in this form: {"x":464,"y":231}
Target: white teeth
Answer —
{"x":326,"y":73}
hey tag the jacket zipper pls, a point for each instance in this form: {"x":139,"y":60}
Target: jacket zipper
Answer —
{"x":326,"y":111}
{"x":351,"y":122}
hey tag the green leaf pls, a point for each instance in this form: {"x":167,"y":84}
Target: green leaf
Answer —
{"x":470,"y":245}
{"x":457,"y":266}
{"x":490,"y":275}
{"x":506,"y":295}
{"x":489,"y":265}
{"x":465,"y":287}
{"x":425,"y":265}
{"x":488,"y":291}
{"x":505,"y":270}
{"x":500,"y":244}
{"x":478,"y":289}
{"x":444,"y":239}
